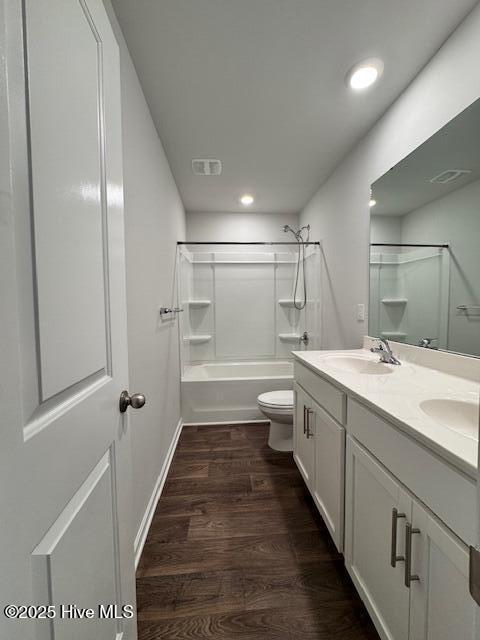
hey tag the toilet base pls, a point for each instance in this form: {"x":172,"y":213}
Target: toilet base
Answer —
{"x":280,"y":437}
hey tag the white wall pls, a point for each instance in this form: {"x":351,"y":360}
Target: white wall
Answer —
{"x":241,"y":227}
{"x":154,"y":220}
{"x":386,"y":229}
{"x":339,"y":212}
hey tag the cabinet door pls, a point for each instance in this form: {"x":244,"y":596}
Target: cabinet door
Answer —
{"x":371,"y":496}
{"x":441,"y":605}
{"x":304,"y":427}
{"x":329,"y":472}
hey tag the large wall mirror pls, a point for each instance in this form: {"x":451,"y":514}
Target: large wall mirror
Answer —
{"x":425,"y":242}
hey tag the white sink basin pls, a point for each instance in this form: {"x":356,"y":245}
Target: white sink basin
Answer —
{"x":459,"y":415}
{"x":357,"y":364}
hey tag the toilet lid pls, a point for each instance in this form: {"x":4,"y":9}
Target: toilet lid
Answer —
{"x":277,"y":398}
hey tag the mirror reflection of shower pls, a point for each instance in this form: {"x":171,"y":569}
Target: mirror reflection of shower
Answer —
{"x":302,"y":236}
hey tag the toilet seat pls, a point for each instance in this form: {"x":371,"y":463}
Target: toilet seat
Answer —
{"x":277,"y":400}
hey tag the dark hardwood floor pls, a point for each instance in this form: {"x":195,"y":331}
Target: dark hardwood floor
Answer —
{"x":237,"y":550}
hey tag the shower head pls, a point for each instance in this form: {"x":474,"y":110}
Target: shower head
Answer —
{"x":287,"y":228}
{"x":297,"y":234}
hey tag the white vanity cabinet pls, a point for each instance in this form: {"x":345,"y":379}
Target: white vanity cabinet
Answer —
{"x":425,"y":595}
{"x":401,"y":513}
{"x":319,"y":447}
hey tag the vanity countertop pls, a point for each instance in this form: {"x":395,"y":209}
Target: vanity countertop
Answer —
{"x":397,"y":395}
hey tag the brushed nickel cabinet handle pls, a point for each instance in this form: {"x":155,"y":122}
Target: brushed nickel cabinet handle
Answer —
{"x":409,"y":578}
{"x":304,"y":419}
{"x":309,"y":433}
{"x":393,"y":553}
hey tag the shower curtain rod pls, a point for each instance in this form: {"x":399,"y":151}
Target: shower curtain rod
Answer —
{"x":391,"y":244}
{"x":247,"y":243}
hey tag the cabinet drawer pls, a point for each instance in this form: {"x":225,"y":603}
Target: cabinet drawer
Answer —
{"x":446,"y":491}
{"x":326,"y":394}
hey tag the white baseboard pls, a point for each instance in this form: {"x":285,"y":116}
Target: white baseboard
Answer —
{"x":155,"y":497}
{"x":225,"y":422}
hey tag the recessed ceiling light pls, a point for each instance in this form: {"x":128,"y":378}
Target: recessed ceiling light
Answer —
{"x":247,"y":200}
{"x":373,"y":202}
{"x":364,"y":74}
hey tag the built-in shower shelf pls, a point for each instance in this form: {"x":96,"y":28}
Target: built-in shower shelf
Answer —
{"x":286,"y":302}
{"x":197,"y":339}
{"x":198,"y":304}
{"x":394,"y":301}
{"x":393,"y":334}
{"x":289,"y":337}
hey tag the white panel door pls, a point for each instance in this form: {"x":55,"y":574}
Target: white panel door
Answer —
{"x":65,"y":534}
{"x":441,"y":605}
{"x":371,"y":495}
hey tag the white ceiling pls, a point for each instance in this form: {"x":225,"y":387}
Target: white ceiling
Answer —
{"x":407,"y":186}
{"x":259,"y":84}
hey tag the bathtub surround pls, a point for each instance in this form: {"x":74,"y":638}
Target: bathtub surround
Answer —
{"x":339,"y":212}
{"x":239,"y":325}
{"x":238,"y":302}
{"x":154,"y":221}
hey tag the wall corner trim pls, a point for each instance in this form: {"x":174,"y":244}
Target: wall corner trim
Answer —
{"x":155,"y":497}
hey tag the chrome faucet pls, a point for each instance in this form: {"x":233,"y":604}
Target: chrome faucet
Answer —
{"x":385,"y":352}
{"x":305,"y":338}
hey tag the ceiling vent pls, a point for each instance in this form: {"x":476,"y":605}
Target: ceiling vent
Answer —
{"x":449,"y":176}
{"x":206,"y":167}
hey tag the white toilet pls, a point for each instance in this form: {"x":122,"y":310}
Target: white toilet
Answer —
{"x":278,"y":407}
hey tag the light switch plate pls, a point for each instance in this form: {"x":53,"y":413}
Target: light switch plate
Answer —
{"x":361,"y":312}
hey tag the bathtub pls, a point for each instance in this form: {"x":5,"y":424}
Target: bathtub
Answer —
{"x":228,"y":391}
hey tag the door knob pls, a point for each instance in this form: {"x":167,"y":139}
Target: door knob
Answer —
{"x":136,"y":401}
